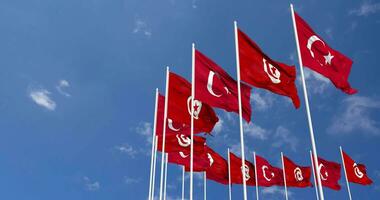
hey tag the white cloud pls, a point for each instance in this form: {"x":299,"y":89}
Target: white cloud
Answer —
{"x":262,"y":100}
{"x":129,"y":180}
{"x":218,"y":126}
{"x":255,"y":131}
{"x":366,"y":8}
{"x":283,"y":137}
{"x":142,"y":27}
{"x":62,"y":84}
{"x":41,"y":97}
{"x":127,"y":149}
{"x":275,"y":191}
{"x":316,"y":83}
{"x":91,"y":185}
{"x":145,"y":129}
{"x":356,"y":116}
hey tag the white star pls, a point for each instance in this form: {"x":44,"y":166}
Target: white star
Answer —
{"x":328,"y":58}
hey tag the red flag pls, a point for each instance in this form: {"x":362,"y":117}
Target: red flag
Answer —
{"x":181,"y":142}
{"x":179,"y":106}
{"x":329,"y":173}
{"x":236,"y":171}
{"x":218,"y":170}
{"x":200,"y":161}
{"x":257,"y":69}
{"x":267,"y":175}
{"x":218,"y":89}
{"x":356,"y":173}
{"x":296,"y":176}
{"x":320,"y":57}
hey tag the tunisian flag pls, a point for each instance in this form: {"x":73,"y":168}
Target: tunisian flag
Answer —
{"x":179,"y":106}
{"x":181,"y":142}
{"x":236,"y":171}
{"x":329,"y":173}
{"x":296,"y":176}
{"x":356,"y":173}
{"x":257,"y":69}
{"x":320,"y":57}
{"x":200,"y":161}
{"x":267,"y":175}
{"x":218,"y":89}
{"x":218,"y":169}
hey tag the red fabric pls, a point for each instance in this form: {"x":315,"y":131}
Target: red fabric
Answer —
{"x":267,"y":175}
{"x":200,"y":161}
{"x":330,"y":173}
{"x":181,"y":142}
{"x":314,"y":57}
{"x":217,"y":88}
{"x":356,"y":173}
{"x":179,"y":106}
{"x":236,"y":171}
{"x":296,"y":176}
{"x":257,"y":69}
{"x":218,"y":170}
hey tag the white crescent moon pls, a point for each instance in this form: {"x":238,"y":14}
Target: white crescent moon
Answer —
{"x":209,"y":84}
{"x":183,"y":141}
{"x":170,"y":124}
{"x":182,"y":154}
{"x":310,"y":42}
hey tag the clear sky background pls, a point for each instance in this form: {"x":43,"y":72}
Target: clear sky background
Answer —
{"x":77,"y":82}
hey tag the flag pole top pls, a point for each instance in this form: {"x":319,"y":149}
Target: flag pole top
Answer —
{"x":193,"y":44}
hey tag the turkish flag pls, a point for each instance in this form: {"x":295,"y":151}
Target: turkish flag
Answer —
{"x":356,"y":173}
{"x":296,"y":176}
{"x":329,"y":173}
{"x":218,"y":89}
{"x":179,"y":106}
{"x":181,"y":142}
{"x":320,"y":57}
{"x":218,"y":169}
{"x":200,"y":160}
{"x":236,"y":171}
{"x":257,"y":69}
{"x":267,"y":175}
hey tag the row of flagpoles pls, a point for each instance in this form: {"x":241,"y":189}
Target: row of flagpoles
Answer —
{"x":175,"y":122}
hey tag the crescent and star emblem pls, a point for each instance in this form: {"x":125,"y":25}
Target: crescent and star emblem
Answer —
{"x":310,"y":43}
{"x":210,"y":81}
{"x":322,"y":175}
{"x":245,"y":170}
{"x":298,"y":174}
{"x":264,"y":169}
{"x":183,"y":141}
{"x":272,"y":72}
{"x":210,"y":159}
{"x":197,"y":107}
{"x":357,"y":171}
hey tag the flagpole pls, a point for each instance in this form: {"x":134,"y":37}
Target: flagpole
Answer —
{"x":166,"y":174}
{"x":345,"y":173}
{"x":164,"y":132}
{"x":240,"y":111}
{"x":153,"y":144}
{"x":229,"y":175}
{"x":192,"y":118}
{"x":283,"y":171}
{"x":154,"y":166}
{"x":256,"y":179}
{"x":183,"y":182}
{"x":314,"y":177}
{"x":314,"y":147}
{"x":204,"y":186}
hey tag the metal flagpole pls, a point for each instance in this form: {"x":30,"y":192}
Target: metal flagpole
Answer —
{"x":192,"y":118}
{"x":204,"y":186}
{"x":166,"y":174}
{"x":283,"y":171}
{"x":154,"y":166}
{"x":256,"y":179}
{"x":314,"y":147}
{"x":314,"y":177}
{"x":345,"y":173}
{"x":153,"y":144}
{"x":240,"y":112}
{"x":164,"y":131}
{"x":229,"y":175}
{"x":183,"y":182}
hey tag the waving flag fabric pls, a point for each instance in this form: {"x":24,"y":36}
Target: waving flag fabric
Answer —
{"x":267,"y":175}
{"x":296,"y":176}
{"x":236,"y":171}
{"x":181,"y":142}
{"x":329,"y":172}
{"x":356,"y":173}
{"x":218,"y":169}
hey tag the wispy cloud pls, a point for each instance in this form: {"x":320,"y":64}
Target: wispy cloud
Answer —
{"x":42,"y":98}
{"x":127,"y":149}
{"x":275,"y":191}
{"x":91,"y":185}
{"x":316,"y":83}
{"x":62,"y":85}
{"x":255,"y":131}
{"x":145,"y":129}
{"x":262,"y":100}
{"x":141,"y":27}
{"x":218,"y":126}
{"x":366,"y":8}
{"x":283,"y":137}
{"x":356,"y":116}
{"x":130,"y":180}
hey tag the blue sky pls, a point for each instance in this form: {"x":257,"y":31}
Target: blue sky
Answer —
{"x":77,"y":88}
